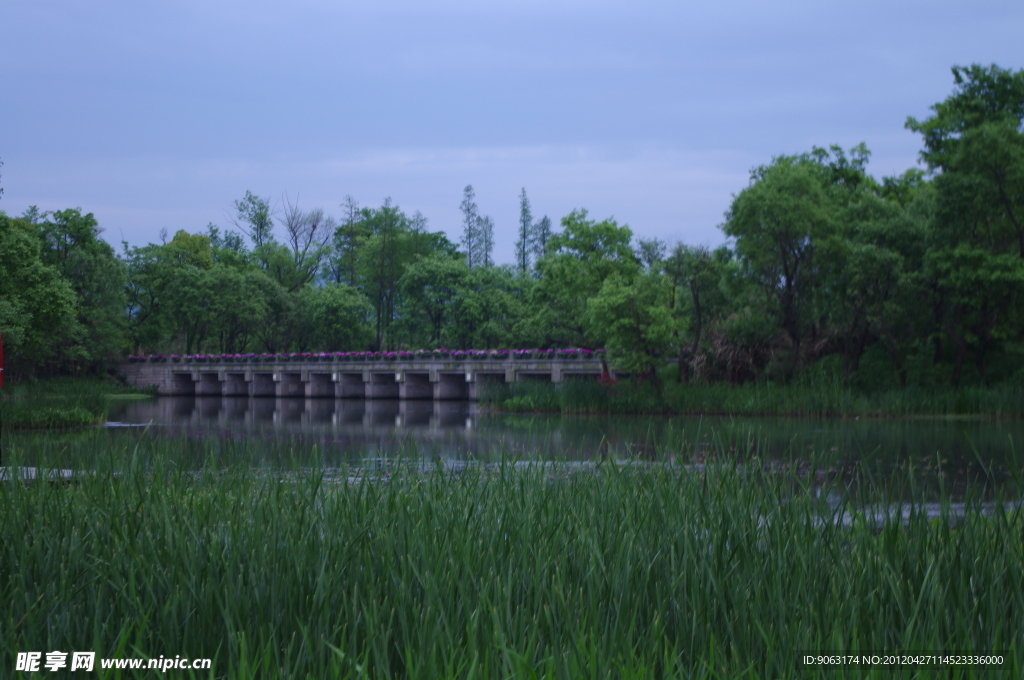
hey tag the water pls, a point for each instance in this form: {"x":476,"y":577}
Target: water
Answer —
{"x":460,"y":430}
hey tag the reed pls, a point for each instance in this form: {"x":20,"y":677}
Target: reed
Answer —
{"x":280,"y":566}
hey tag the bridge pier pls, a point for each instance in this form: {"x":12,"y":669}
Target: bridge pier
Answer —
{"x":415,"y":386}
{"x":289,"y":384}
{"x":348,"y":385}
{"x":262,"y":385}
{"x":206,"y":383}
{"x":451,"y":386}
{"x":381,"y":385}
{"x":319,"y":385}
{"x":235,"y":385}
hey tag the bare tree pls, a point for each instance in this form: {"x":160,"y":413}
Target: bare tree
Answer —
{"x":307,"y":234}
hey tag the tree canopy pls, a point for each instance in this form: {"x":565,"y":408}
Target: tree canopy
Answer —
{"x":914,"y":279}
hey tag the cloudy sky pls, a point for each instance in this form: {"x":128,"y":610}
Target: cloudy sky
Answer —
{"x":159,"y":115}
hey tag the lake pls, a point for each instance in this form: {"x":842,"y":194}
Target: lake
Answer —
{"x":963,"y":452}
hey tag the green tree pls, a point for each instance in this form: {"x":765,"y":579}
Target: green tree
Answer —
{"x":227,"y":248}
{"x":255,"y":218}
{"x":470,"y":227}
{"x":696,"y":298}
{"x":526,"y":234}
{"x":346,"y":244}
{"x":974,"y":145}
{"x":634,"y":317}
{"x":71,"y":244}
{"x":335,"y":317}
{"x":236,"y":304}
{"x":783,"y":224}
{"x":576,"y":264}
{"x":38,"y":307}
{"x":541,"y":236}
{"x":393,"y":243}
{"x":488,"y":310}
{"x":429,"y":288}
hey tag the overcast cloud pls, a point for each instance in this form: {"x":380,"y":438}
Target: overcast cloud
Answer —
{"x":159,"y":116}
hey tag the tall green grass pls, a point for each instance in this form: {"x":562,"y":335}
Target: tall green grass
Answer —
{"x":288,"y":569}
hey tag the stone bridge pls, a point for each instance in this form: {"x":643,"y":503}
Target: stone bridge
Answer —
{"x":412,"y":379}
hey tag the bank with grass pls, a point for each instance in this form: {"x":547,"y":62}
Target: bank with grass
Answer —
{"x":808,"y":397}
{"x":58,"y":403}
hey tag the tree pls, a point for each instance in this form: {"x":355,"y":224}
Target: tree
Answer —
{"x":429,"y":288}
{"x":634,"y":316}
{"x":470,"y":227}
{"x":783,"y":223}
{"x":227,"y":248}
{"x":986,"y":299}
{"x":38,"y":314}
{"x":255,"y":212}
{"x":32,"y":215}
{"x":255,"y":219}
{"x":488,"y":309}
{"x":477,"y":232}
{"x":348,"y":239}
{"x":650,"y":252}
{"x":71,"y":244}
{"x":541,"y":236}
{"x":307,"y":235}
{"x":486,"y":242}
{"x":577,"y":262}
{"x":334,"y":317}
{"x":694,"y":274}
{"x":974,"y":145}
{"x":526,"y":234}
{"x":393,"y":243}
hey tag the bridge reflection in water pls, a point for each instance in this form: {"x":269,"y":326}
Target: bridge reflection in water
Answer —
{"x":257,"y":413}
{"x":354,"y":428}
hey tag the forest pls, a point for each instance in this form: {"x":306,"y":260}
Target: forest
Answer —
{"x":915,"y":279}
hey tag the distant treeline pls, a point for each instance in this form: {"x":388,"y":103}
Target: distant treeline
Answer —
{"x":914,"y":279}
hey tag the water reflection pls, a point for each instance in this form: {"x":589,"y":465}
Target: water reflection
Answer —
{"x":255,"y":414}
{"x":460,"y":427}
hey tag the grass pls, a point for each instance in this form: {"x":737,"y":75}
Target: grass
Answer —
{"x":276,"y":566}
{"x":824,"y":398}
{"x":60,"y":402}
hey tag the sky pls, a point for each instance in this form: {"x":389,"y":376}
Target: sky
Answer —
{"x":159,"y":116}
